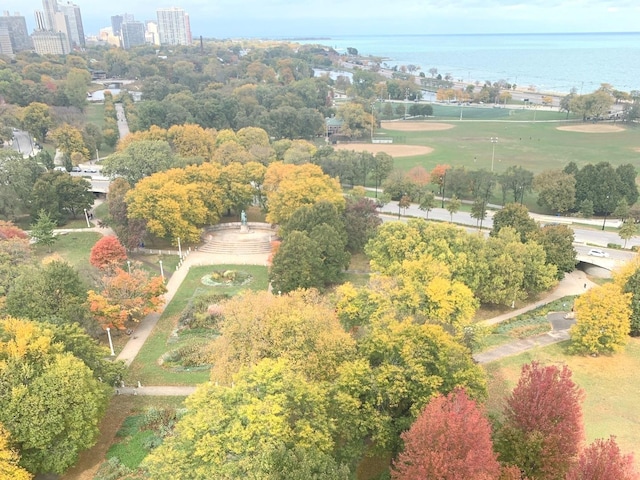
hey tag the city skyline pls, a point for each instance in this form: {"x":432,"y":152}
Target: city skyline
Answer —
{"x":282,"y":18}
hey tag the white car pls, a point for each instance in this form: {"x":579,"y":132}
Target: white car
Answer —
{"x":594,"y":252}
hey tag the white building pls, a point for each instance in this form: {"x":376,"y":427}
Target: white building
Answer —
{"x":50,"y":43}
{"x":173,"y":26}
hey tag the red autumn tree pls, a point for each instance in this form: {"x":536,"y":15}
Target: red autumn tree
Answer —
{"x":126,"y":297}
{"x":602,"y":460}
{"x":543,"y":429}
{"x":450,"y":440}
{"x":438,"y":176}
{"x":8,"y":230}
{"x":107,"y":253}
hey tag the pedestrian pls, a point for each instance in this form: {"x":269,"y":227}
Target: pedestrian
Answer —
{"x":585,"y":286}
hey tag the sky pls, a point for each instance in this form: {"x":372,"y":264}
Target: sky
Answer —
{"x":304,"y":18}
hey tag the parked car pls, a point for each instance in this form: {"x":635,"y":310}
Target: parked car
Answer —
{"x":76,"y":169}
{"x":595,"y":252}
{"x":90,"y":169}
{"x":60,"y":169}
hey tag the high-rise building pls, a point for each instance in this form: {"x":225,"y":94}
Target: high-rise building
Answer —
{"x":173,"y":26}
{"x":50,"y":9}
{"x":132,"y":34}
{"x":118,"y":20}
{"x":151,"y":34}
{"x":74,"y":20}
{"x":16,"y":25}
{"x":5,"y":42}
{"x":47,"y":42}
{"x":41,"y":21}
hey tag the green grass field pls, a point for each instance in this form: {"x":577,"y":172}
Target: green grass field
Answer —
{"x":535,"y":146}
{"x":611,"y":385}
{"x":145,"y":367}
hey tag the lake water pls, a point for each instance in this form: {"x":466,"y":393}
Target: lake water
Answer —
{"x":550,"y":62}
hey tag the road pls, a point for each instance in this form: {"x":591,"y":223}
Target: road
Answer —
{"x":583,"y":236}
{"x":23,"y":143}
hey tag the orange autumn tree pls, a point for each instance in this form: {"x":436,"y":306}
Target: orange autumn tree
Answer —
{"x":126,"y":297}
{"x":107,"y":253}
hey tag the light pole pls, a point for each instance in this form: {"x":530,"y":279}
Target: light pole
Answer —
{"x":373,"y":119}
{"x":494,"y":140}
{"x":110,"y":342}
{"x":161,"y":271}
{"x":444,"y":183}
{"x":406,"y":101}
{"x":606,"y":212}
{"x":129,"y":266}
{"x":86,"y":217}
{"x":179,"y":249}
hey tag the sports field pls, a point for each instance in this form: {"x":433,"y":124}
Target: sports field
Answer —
{"x":549,"y":142}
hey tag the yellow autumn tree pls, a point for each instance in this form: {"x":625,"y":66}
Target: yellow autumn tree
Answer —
{"x":299,"y":327}
{"x":293,"y":186}
{"x":602,"y":320}
{"x":9,"y":459}
{"x":191,"y":140}
{"x":154,"y":133}
{"x":178,"y":202}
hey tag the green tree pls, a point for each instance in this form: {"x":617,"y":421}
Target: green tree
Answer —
{"x":75,"y":87}
{"x":517,"y":217}
{"x":60,"y":195}
{"x":627,"y":231}
{"x":37,"y":120}
{"x":557,"y":242}
{"x":42,"y":230}
{"x":427,"y":203}
{"x":556,"y":190}
{"x":622,"y":210}
{"x":361,"y":222}
{"x":17,"y":177}
{"x":296,"y":264}
{"x":453,"y":206}
{"x":602,"y":320}
{"x":632,"y":286}
{"x":139,"y":159}
{"x":52,"y":293}
{"x":586,"y":208}
{"x":479,"y":211}
{"x":51,"y":403}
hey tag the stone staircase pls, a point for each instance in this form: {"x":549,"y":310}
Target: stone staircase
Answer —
{"x":222,"y":246}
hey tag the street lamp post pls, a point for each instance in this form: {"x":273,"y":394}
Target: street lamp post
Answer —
{"x":606,"y":212}
{"x":110,"y":341}
{"x":406,"y":101}
{"x":86,"y":217}
{"x":179,"y":249}
{"x":444,"y":183}
{"x":494,"y":140}
{"x":161,"y":271}
{"x":373,"y":119}
{"x":129,"y":266}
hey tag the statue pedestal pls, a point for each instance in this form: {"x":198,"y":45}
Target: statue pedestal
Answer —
{"x":244,"y":229}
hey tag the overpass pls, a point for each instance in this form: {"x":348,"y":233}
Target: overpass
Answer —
{"x":602,"y":262}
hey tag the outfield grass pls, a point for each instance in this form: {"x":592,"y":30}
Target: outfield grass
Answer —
{"x":611,"y":385}
{"x":94,"y":113}
{"x":145,"y":367}
{"x":534,"y":146}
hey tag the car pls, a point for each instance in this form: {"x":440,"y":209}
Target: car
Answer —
{"x":90,"y":169}
{"x":595,"y":252}
{"x":60,"y":169}
{"x":76,"y":169}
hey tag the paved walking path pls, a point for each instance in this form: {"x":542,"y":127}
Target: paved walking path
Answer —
{"x":573,"y":283}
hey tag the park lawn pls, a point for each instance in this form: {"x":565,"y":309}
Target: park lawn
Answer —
{"x":610,"y":383}
{"x":145,"y":367}
{"x":534,"y":146}
{"x":74,"y":248}
{"x":94,"y":113}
